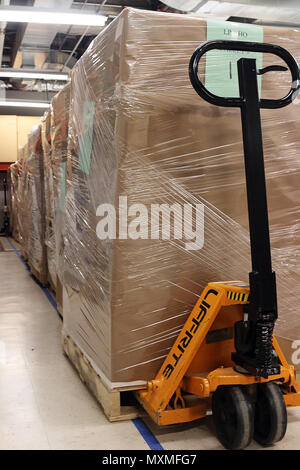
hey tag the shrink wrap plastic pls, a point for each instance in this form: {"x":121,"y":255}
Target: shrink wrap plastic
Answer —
{"x":13,"y":182}
{"x":139,"y":131}
{"x":34,"y":203}
{"x":22,"y":191}
{"x":49,"y":199}
{"x":59,"y":146}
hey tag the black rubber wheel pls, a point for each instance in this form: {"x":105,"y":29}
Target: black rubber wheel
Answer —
{"x":233,"y":417}
{"x":270,"y":418}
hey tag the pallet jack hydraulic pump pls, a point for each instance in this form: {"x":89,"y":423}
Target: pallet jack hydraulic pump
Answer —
{"x":226,"y":358}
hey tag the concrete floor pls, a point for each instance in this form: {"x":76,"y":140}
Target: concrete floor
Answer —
{"x":43,"y":403}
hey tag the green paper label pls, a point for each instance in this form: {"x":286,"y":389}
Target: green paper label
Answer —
{"x":221,"y":76}
{"x":86,"y":137}
{"x":62,"y":186}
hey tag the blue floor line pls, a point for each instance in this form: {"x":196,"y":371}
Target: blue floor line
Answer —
{"x":140,"y":425}
{"x":148,"y":436}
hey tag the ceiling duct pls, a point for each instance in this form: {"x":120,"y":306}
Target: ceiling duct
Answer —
{"x":41,"y":35}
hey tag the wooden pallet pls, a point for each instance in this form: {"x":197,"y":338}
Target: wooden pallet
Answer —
{"x":110,"y":400}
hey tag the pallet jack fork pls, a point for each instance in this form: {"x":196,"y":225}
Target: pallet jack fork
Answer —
{"x":226,"y":358}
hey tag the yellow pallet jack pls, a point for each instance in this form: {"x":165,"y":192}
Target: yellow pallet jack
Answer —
{"x":226,"y":358}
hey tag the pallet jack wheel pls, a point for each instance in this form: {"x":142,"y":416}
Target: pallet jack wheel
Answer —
{"x":233,"y":417}
{"x":270,"y":418}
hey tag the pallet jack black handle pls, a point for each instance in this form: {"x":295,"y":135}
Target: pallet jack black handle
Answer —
{"x":244,"y":46}
{"x":253,"y":335}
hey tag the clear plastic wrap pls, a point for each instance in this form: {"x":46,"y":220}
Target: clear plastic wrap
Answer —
{"x":49,"y":199}
{"x":59,"y":145}
{"x":138,"y":129}
{"x":22,"y":191}
{"x":35,"y":206}
{"x":13,"y":183}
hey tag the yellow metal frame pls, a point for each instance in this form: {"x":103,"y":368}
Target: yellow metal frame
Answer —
{"x":196,"y":366}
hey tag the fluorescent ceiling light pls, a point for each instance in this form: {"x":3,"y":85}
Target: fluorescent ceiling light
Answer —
{"x":4,"y":73}
{"x":18,"y":14}
{"x":24,"y":104}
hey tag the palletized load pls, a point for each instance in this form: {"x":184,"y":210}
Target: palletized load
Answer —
{"x":138,"y":139}
{"x":13,"y":200}
{"x":55,"y":143}
{"x":22,"y":214}
{"x":49,"y":199}
{"x":59,"y":146}
{"x":34,"y":206}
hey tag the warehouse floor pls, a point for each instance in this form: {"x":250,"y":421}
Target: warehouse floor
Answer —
{"x":43,"y":403}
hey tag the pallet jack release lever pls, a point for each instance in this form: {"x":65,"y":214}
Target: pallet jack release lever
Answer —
{"x":253,"y":335}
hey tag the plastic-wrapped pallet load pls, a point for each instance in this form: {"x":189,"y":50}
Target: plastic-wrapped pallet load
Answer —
{"x":35,"y":206}
{"x":140,"y":137}
{"x":9,"y":196}
{"x":59,"y":145}
{"x":22,"y":214}
{"x":49,"y":199}
{"x":13,"y":200}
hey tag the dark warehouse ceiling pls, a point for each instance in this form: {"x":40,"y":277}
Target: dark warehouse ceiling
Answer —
{"x":64,"y":42}
{"x":75,"y":40}
{"x":58,"y":47}
{"x":51,"y":47}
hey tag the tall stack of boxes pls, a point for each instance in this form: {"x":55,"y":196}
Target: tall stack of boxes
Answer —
{"x":59,"y":148}
{"x":35,"y":206}
{"x":13,"y":182}
{"x":137,"y":132}
{"x":49,"y":200}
